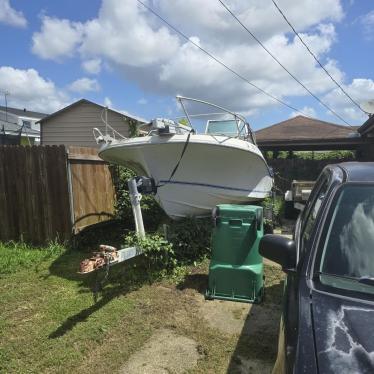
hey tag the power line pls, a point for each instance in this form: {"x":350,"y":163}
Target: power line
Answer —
{"x":219,"y":61}
{"x":316,"y":59}
{"x":280,"y":64}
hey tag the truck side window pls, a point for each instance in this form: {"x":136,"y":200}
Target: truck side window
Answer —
{"x":311,"y":216}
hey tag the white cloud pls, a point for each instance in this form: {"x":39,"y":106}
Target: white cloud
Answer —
{"x":58,"y":38}
{"x":29,"y":90}
{"x":367,"y":22}
{"x":134,"y":42}
{"x":10,"y":16}
{"x":92,"y":66}
{"x":142,"y":101}
{"x":307,"y":110}
{"x":360,"y":90}
{"x":147,"y":52}
{"x":84,"y":85}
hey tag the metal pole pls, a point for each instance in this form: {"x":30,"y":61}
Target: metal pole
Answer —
{"x":185,"y":111}
{"x":135,"y":198}
{"x":106,"y":120}
{"x":6,"y":93}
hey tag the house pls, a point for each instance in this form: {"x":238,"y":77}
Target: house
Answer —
{"x":73,"y":125}
{"x":367,"y":129}
{"x":19,"y":126}
{"x":367,"y":134}
{"x":307,"y":134}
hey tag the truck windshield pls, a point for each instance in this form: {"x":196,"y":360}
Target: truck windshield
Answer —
{"x":348,"y":253}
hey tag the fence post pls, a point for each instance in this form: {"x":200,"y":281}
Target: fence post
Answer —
{"x":70,"y":189}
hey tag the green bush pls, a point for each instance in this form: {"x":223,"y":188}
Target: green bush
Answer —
{"x":333,"y":155}
{"x":278,"y":209}
{"x":188,"y":241}
{"x":191,"y":239}
{"x":312,"y":155}
{"x":158,"y":252}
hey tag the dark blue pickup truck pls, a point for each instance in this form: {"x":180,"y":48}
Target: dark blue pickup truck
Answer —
{"x":327,"y":324}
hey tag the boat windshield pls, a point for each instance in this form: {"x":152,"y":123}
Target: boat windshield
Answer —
{"x":225,"y":127}
{"x":216,"y":119}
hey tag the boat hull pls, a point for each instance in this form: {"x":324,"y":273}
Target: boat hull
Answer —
{"x":213,"y":170}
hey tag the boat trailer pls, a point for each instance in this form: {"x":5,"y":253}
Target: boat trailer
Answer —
{"x":107,"y":255}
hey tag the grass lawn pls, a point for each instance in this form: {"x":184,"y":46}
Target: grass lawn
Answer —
{"x":50,"y":323}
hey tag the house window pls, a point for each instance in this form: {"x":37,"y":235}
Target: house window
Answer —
{"x":26,"y":124}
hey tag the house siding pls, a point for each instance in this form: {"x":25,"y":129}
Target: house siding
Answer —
{"x":73,"y":127}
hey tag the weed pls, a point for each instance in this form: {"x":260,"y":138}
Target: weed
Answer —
{"x":158,"y":252}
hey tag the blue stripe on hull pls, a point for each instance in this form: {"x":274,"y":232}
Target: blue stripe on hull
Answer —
{"x":212,"y":186}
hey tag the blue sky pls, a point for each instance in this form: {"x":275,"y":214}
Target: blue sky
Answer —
{"x":115,"y":52}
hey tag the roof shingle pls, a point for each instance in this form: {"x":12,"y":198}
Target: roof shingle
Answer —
{"x":301,"y":127}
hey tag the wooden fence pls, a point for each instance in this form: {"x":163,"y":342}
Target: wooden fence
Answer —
{"x":50,"y":192}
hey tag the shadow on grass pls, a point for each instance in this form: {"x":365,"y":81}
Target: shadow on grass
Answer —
{"x":197,"y":281}
{"x":82,"y":316}
{"x":258,"y":341}
{"x":122,"y":278}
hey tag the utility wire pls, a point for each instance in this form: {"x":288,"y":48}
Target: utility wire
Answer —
{"x":316,"y":59}
{"x":280,"y":64}
{"x":219,"y":61}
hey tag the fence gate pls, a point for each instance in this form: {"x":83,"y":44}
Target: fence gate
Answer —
{"x":91,"y":191}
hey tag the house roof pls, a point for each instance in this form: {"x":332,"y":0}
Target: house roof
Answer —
{"x":301,"y":127}
{"x":87,"y":102}
{"x":367,"y":127}
{"x":23,"y":112}
{"x":14,"y":128}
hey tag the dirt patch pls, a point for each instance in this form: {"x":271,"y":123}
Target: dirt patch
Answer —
{"x":248,"y":331}
{"x":164,"y":353}
{"x":226,"y":316}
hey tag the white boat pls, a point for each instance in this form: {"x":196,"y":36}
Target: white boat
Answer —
{"x":195,"y":172}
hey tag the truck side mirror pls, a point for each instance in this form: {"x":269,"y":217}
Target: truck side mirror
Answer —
{"x":280,"y":250}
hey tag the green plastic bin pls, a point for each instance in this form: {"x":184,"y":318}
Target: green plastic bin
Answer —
{"x":236,"y":267}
